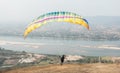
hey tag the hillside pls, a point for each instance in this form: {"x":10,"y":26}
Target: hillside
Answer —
{"x":23,"y":62}
{"x":70,"y":68}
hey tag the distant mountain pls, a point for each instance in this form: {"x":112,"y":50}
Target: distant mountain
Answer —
{"x":101,"y":28}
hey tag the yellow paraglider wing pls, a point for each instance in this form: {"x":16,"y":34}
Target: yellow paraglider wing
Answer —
{"x":56,"y":17}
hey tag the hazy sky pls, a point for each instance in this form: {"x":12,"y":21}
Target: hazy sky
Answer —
{"x":27,"y":10}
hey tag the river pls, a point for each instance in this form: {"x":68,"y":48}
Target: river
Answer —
{"x":61,"y":46}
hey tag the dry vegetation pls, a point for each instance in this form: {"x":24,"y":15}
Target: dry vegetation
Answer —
{"x":70,"y":68}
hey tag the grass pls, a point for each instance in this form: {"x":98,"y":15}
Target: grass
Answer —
{"x":70,"y":68}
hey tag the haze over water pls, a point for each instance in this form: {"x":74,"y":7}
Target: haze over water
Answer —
{"x":61,"y":46}
{"x":102,"y":39}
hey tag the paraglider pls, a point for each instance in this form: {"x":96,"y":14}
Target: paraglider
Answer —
{"x":56,"y":17}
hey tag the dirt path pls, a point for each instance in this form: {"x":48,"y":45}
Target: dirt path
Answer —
{"x":71,"y":68}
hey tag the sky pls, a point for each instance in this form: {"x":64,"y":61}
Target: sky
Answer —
{"x":27,"y":10}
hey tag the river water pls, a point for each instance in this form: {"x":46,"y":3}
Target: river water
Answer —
{"x":61,"y":46}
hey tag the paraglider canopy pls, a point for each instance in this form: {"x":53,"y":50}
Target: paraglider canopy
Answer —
{"x":56,"y":17}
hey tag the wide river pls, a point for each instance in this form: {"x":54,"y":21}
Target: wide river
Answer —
{"x":61,"y":46}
